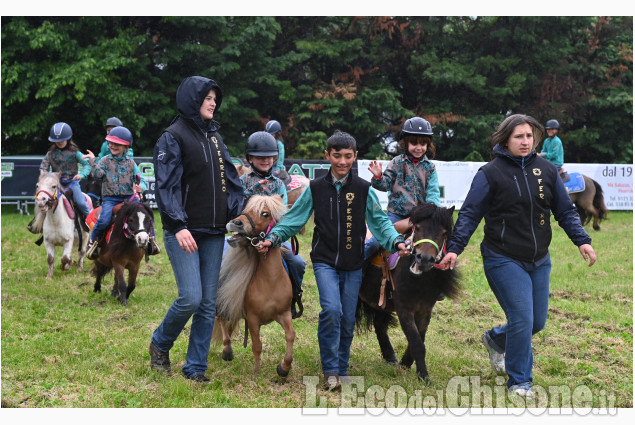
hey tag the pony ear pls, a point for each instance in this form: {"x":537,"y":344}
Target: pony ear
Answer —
{"x":41,"y":172}
{"x":451,"y":209}
{"x":281,"y":197}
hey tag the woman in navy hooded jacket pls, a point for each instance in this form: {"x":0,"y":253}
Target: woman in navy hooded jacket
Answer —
{"x":516,"y":193}
{"x":197,"y":191}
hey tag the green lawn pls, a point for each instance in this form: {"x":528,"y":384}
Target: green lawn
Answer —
{"x":65,"y":346}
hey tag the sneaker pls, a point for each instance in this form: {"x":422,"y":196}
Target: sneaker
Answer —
{"x":154,"y":247}
{"x":200,"y":378}
{"x":331,"y":382}
{"x":92,"y":253}
{"x":159,"y":360}
{"x":496,"y":359}
{"x":523,"y":390}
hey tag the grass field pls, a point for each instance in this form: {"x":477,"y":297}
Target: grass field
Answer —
{"x":65,"y":346}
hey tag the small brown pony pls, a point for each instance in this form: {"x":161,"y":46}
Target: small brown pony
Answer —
{"x":125,"y":249}
{"x":253,"y":286}
{"x":590,"y":203}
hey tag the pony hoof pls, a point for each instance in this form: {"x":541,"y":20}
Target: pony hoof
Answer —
{"x":281,"y":372}
{"x":392,"y":360}
{"x":228,"y":356}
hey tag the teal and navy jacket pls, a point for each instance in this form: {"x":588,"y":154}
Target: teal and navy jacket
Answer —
{"x":257,"y":184}
{"x":66,"y":160}
{"x":552,"y":148}
{"x":118,"y":175}
{"x":340,"y":221}
{"x":409,"y":183}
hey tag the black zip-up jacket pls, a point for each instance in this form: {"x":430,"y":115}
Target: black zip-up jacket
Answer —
{"x":340,"y":222}
{"x":516,"y":197}
{"x":196,"y":184}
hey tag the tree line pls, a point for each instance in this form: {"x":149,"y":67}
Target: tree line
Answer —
{"x":363,"y":75}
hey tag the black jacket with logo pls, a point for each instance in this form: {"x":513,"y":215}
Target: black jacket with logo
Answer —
{"x":340,"y":222}
{"x":196,"y":184}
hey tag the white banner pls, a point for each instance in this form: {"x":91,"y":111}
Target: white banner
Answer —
{"x":455,"y":179}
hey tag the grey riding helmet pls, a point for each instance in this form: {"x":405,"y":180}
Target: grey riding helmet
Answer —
{"x":261,"y":143}
{"x":552,"y":124}
{"x":273,"y":127}
{"x":113,"y":122}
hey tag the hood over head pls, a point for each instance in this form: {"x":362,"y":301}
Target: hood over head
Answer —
{"x":190,"y":96}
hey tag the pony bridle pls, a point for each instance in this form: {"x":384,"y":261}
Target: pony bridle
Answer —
{"x":128,"y":233}
{"x":52,"y":199}
{"x":440,"y":251}
{"x":256,"y":238}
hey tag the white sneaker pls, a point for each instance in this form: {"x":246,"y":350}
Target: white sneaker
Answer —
{"x":496,"y":359}
{"x":523,"y":390}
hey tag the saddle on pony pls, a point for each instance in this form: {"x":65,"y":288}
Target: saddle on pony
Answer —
{"x":92,"y":218}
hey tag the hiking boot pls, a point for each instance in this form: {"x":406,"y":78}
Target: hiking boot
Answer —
{"x":159,"y":360}
{"x":153,"y":246}
{"x":331,"y":382}
{"x":496,"y":359}
{"x":92,"y":253}
{"x":200,"y":378}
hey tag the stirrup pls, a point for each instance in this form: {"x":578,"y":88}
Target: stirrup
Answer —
{"x":154,"y":247}
{"x":93,"y":251}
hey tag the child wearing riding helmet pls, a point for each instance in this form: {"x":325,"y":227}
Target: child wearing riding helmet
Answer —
{"x":410,"y":178}
{"x":552,"y":149}
{"x":111,"y":123}
{"x":274,"y":128}
{"x":261,"y":152}
{"x":121,"y":181}
{"x":64,"y":156}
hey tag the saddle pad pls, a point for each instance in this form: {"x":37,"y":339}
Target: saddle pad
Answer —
{"x":92,"y":218}
{"x":295,"y":183}
{"x":69,"y":208}
{"x":575,"y":183}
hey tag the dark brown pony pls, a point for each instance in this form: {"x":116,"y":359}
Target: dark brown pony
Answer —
{"x":254,"y":286}
{"x":125,"y":249}
{"x":418,"y":284}
{"x":590,"y":203}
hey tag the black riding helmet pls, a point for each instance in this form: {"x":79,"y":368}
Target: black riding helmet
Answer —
{"x":417,"y":126}
{"x":261,"y":143}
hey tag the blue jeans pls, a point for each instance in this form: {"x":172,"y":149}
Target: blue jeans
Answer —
{"x":338,"y":292}
{"x":295,"y":264}
{"x":107,"y":204}
{"x":372,"y":245}
{"x":78,"y":196}
{"x":197,"y":281}
{"x":523,"y":294}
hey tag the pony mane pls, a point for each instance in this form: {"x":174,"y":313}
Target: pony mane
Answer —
{"x":440,"y":215}
{"x":257,"y":203}
{"x":237,"y":269}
